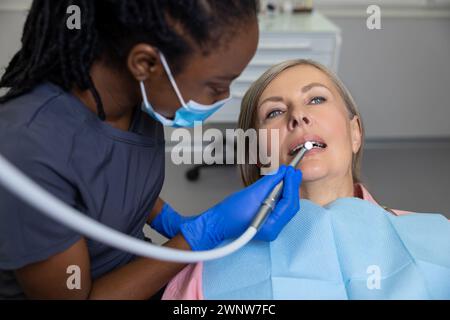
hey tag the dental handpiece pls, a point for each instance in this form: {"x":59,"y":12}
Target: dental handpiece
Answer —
{"x":270,"y":201}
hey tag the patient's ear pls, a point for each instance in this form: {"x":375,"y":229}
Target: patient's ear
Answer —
{"x":356,"y":133}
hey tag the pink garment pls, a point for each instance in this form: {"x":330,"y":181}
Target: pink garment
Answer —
{"x":187,"y":285}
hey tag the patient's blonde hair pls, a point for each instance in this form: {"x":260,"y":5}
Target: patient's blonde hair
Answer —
{"x":251,"y":172}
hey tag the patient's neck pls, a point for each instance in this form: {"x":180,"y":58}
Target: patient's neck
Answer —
{"x":326,"y":190}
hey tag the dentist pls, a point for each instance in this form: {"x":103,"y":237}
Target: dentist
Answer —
{"x":83,"y":117}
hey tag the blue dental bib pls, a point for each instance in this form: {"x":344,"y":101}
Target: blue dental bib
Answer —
{"x":350,"y":249}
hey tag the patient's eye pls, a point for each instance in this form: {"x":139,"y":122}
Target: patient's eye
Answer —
{"x":274,"y":113}
{"x":317,"y":100}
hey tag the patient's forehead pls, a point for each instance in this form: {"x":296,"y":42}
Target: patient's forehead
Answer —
{"x":295,"y":78}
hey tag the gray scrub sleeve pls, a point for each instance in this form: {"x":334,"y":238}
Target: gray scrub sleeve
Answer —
{"x":27,"y":235}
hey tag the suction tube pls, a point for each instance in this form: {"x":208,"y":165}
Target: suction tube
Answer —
{"x":33,"y":194}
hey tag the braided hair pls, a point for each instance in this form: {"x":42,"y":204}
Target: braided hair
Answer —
{"x":109,"y":29}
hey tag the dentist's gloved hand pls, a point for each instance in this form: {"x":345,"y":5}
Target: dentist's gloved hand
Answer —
{"x":231,"y":217}
{"x":168,"y":221}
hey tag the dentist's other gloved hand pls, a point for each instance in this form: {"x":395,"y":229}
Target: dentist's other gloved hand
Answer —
{"x":231,"y":217}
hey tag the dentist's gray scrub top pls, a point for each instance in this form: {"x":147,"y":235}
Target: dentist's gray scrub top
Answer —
{"x":111,"y":175}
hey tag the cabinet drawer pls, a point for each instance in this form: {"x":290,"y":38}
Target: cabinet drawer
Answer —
{"x":283,"y":38}
{"x":269,"y":58}
{"x":297,"y":41}
{"x":258,"y":67}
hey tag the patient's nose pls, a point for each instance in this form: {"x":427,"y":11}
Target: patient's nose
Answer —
{"x":305,"y":120}
{"x":299,"y":119}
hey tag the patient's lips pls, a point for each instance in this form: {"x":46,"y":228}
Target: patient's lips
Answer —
{"x":315,"y":145}
{"x":318,"y":143}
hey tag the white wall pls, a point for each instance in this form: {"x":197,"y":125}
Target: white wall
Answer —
{"x":400,"y":75}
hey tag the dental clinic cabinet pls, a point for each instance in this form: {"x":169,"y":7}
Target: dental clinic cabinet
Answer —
{"x":284,"y":37}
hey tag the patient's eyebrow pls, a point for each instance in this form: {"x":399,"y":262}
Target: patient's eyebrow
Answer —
{"x":312,"y":85}
{"x":304,"y":90}
{"x":273,"y":99}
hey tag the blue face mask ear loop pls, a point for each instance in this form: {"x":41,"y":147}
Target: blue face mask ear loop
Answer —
{"x":174,"y":86}
{"x":172,"y":79}
{"x":148,"y":105}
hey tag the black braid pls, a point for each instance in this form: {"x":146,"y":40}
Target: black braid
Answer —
{"x":110,"y":28}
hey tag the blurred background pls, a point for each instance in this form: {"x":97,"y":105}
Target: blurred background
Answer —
{"x":399,"y":76}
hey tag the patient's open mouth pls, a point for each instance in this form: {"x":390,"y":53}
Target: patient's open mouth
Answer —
{"x":316,"y":145}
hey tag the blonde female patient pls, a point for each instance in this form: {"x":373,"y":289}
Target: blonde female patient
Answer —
{"x":341,"y":244}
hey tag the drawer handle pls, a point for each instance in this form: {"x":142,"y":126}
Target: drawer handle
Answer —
{"x":245,"y":79}
{"x":237,"y":95}
{"x":289,"y":46}
{"x":265,"y":63}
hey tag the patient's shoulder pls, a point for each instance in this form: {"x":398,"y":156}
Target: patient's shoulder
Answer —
{"x":361,"y":191}
{"x":403,"y":212}
{"x":186,"y":285}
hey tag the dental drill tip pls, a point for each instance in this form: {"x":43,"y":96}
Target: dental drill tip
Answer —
{"x":308,"y":145}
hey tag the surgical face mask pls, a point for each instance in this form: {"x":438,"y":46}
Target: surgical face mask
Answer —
{"x":188,"y":113}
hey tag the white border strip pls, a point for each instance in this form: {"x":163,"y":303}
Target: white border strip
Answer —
{"x":396,"y":3}
{"x":333,"y":8}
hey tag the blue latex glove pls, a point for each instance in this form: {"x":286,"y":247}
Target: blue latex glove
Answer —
{"x":168,"y":222}
{"x":231,"y":217}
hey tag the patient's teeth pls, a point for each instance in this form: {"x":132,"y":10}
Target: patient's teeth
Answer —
{"x":319,"y":145}
{"x":315,"y":145}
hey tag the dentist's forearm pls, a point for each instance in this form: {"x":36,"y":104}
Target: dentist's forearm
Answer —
{"x":140,"y":279}
{"x":156,"y":210}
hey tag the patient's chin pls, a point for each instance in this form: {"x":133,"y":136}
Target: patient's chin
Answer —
{"x":313,"y":171}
